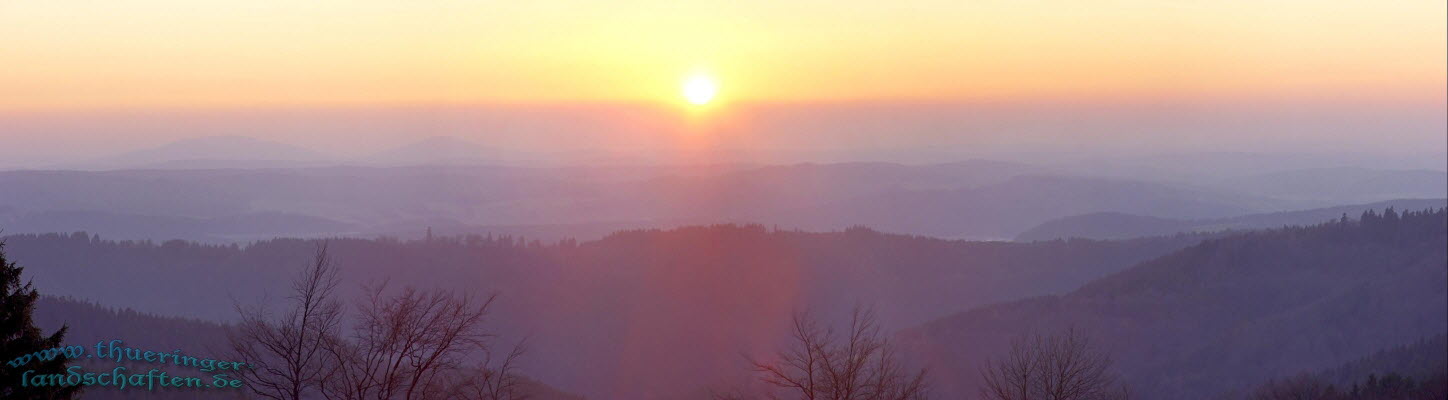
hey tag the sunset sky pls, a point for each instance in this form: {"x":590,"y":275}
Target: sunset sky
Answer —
{"x":72,"y":56}
{"x":160,"y":53}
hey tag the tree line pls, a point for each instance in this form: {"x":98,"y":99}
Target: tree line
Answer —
{"x":408,"y":343}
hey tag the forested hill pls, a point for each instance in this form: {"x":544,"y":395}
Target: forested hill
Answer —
{"x":1423,"y":359}
{"x":1228,"y":312}
{"x":88,"y":323}
{"x":1107,"y":226}
{"x":1417,"y":371}
{"x":602,"y":315}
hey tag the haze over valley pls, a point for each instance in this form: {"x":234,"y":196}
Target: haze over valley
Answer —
{"x":723,"y":200}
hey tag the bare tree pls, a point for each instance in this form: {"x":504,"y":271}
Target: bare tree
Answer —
{"x":405,"y":346}
{"x":286,"y":354}
{"x":858,"y":365}
{"x":1063,"y":366}
{"x":409,"y":345}
{"x":487,"y":381}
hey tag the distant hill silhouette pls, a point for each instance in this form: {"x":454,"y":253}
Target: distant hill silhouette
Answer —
{"x":1343,"y":184}
{"x":1228,"y":312}
{"x":975,"y":199}
{"x":1002,"y":210}
{"x":1106,"y":226}
{"x":436,"y":150}
{"x":213,"y":152}
{"x":239,"y":227}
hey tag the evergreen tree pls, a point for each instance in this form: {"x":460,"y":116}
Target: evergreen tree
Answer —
{"x":19,"y":336}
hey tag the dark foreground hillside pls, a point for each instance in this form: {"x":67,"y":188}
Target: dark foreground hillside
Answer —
{"x":1230,"y":312}
{"x":88,"y":323}
{"x":634,"y":315}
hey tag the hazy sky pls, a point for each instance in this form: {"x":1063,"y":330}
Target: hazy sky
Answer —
{"x":1381,"y":63}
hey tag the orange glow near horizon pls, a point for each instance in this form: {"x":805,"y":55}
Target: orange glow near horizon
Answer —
{"x":69,"y":54}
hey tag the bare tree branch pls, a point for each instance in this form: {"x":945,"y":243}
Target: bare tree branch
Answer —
{"x":859,"y":365}
{"x":1056,"y":367}
{"x":406,"y":346}
{"x":285,"y":353}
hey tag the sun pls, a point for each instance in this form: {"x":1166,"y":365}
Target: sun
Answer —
{"x":700,"y":89}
